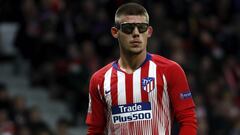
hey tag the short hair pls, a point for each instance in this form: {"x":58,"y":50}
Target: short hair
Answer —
{"x":131,"y":9}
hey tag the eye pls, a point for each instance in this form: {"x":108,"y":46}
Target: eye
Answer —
{"x":127,"y":28}
{"x":142,"y":27}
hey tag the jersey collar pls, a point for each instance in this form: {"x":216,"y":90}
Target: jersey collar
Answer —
{"x":116,"y":65}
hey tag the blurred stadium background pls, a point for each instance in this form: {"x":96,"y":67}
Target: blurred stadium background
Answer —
{"x":50,"y":48}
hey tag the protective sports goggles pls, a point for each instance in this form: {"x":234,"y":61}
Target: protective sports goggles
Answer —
{"x":129,"y":27}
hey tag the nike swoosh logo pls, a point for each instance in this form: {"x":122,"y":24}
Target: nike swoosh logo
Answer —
{"x":107,"y":92}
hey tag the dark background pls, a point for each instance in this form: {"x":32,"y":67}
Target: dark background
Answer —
{"x":61,"y":43}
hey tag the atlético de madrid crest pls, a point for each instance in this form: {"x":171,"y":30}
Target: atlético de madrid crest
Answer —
{"x":148,"y":84}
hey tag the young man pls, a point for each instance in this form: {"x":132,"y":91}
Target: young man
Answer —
{"x":140,"y":93}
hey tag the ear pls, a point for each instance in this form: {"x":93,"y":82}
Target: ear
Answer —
{"x":114,"y":32}
{"x":150,"y":31}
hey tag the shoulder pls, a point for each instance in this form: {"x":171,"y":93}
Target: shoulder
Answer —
{"x":163,"y":62}
{"x":99,"y":74}
{"x":171,"y":69}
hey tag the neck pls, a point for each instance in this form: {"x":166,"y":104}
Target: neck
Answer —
{"x":129,"y":63}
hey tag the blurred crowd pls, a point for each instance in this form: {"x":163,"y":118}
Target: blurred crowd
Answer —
{"x":65,"y":42}
{"x":16,"y":118}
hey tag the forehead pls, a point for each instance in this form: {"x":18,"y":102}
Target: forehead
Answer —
{"x":132,"y":19}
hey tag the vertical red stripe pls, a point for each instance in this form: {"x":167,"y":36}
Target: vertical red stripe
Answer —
{"x":129,"y":88}
{"x":159,"y":87}
{"x":167,"y":128}
{"x":131,"y":127}
{"x":114,"y":92}
{"x":155,"y":128}
{"x":144,"y":74}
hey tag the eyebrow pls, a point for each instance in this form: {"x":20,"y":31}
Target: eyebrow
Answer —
{"x":132,"y":22}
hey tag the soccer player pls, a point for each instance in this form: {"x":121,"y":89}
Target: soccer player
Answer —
{"x":140,"y":93}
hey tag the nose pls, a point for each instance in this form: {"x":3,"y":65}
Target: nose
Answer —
{"x":135,"y":32}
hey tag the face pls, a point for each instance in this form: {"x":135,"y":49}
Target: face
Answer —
{"x":131,"y":34}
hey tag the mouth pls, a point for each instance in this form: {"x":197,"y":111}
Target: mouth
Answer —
{"x":135,"y":42}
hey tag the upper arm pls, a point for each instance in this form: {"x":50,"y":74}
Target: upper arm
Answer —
{"x":96,"y":117}
{"x":181,"y":99}
{"x":178,"y":88}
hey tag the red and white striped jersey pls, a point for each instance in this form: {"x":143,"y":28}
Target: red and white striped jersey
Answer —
{"x":141,"y":103}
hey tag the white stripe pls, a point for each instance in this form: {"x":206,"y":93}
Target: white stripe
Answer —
{"x":107,"y":94}
{"x":121,"y":88}
{"x":148,"y":87}
{"x":153,"y":94}
{"x":165,"y":103}
{"x":90,"y":104}
{"x":137,"y":86}
{"x":107,"y":86}
{"x":157,"y":112}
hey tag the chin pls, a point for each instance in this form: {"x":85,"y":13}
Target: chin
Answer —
{"x":135,"y":51}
